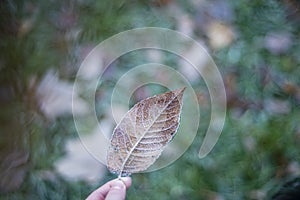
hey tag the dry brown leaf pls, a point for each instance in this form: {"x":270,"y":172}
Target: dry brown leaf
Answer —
{"x":142,"y":134}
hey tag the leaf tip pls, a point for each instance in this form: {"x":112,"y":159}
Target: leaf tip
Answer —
{"x":179,"y":91}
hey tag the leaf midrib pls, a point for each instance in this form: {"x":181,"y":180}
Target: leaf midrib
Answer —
{"x":136,"y":144}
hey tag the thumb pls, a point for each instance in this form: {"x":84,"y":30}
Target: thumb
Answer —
{"x":117,"y":191}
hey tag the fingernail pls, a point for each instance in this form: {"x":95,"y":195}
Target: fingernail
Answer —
{"x":125,"y":179}
{"x":118,"y":185}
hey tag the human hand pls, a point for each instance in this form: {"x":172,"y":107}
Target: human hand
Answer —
{"x":112,"y":190}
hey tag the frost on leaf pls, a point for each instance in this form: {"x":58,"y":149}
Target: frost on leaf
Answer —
{"x":140,"y":137}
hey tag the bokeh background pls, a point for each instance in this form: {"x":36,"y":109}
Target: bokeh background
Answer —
{"x":255,"y":44}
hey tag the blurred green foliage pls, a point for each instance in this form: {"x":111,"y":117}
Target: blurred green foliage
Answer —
{"x":257,"y":147}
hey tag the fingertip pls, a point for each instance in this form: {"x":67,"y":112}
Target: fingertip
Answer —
{"x":127,"y":181}
{"x":117,"y":190}
{"x":118,"y":184}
